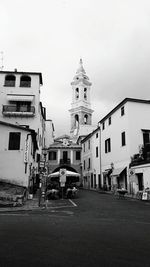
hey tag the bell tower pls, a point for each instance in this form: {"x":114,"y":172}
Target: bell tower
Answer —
{"x":81,"y":112}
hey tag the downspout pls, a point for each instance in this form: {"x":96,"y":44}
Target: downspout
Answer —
{"x":100,"y":154}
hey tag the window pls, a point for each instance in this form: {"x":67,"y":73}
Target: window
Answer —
{"x":77,"y":93}
{"x":85,"y":93}
{"x":89,"y":144}
{"x":97,"y":152}
{"x":23,"y":106}
{"x":84,"y":147}
{"x":146,"y":137}
{"x":123,"y":139}
{"x":25,"y":81}
{"x":103,"y":125}
{"x":107,"y":145}
{"x":78,"y":155}
{"x":96,"y":135}
{"x":85,"y":119}
{"x":89,"y":163}
{"x":122,"y":111}
{"x":84,"y":164}
{"x":109,"y":120}
{"x":76,"y":120}
{"x":10,"y":80}
{"x":65,"y":156}
{"x":52,"y":155}
{"x":14,"y":141}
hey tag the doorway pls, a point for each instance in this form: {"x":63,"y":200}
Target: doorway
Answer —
{"x":140,"y":181}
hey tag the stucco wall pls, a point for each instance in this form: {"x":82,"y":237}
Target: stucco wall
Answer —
{"x":119,"y":154}
{"x":139,"y":118}
{"x":12,"y":166}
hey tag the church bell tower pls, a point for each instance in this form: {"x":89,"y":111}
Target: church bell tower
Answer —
{"x":81,"y":112}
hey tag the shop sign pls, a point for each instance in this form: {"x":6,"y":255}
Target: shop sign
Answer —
{"x":144,"y":196}
{"x":26,"y":151}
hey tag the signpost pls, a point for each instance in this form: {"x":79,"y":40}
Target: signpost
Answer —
{"x":62,"y":179}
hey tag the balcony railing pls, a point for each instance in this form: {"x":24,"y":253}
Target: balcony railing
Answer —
{"x":141,"y":158}
{"x":11,"y":110}
{"x":64,"y":162}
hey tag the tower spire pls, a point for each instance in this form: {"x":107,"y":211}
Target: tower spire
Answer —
{"x":80,"y":69}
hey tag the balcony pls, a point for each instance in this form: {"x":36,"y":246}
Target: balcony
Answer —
{"x":64,"y":162}
{"x":22,"y":111}
{"x":142,"y":158}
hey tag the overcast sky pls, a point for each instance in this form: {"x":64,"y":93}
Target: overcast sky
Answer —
{"x":50,"y":36}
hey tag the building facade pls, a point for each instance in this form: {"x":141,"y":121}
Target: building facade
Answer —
{"x":18,"y":148}
{"x":124,"y":136}
{"x":91,"y":171}
{"x":20,"y":106}
{"x":64,"y":154}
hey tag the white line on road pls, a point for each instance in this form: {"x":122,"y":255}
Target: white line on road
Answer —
{"x":72,"y":202}
{"x":14,"y":214}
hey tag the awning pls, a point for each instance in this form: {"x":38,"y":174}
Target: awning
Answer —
{"x":13,"y":97}
{"x":68,"y":173}
{"x":117,"y":172}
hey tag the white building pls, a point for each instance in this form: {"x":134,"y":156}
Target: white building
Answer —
{"x":20,"y":106}
{"x":18,"y":148}
{"x":20,"y":101}
{"x":124,"y":132}
{"x":91,"y":160}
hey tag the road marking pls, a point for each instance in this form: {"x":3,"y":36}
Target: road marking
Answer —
{"x":14,"y":214}
{"x":59,"y":207}
{"x":72,"y":202}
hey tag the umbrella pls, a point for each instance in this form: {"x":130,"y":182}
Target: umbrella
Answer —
{"x":68,"y":173}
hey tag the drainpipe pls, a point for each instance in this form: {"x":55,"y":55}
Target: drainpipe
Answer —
{"x":100,"y":153}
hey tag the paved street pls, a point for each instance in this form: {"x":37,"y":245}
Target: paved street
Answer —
{"x":101,"y":230}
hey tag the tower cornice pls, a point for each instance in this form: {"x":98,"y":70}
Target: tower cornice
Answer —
{"x":81,"y":81}
{"x":81,"y":108}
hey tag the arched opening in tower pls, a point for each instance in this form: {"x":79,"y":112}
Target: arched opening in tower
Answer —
{"x":85,"y":93}
{"x":85,"y":119}
{"x":77,"y":93}
{"x":76,"y":121}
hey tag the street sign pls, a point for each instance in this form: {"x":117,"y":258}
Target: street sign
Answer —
{"x":41,"y":164}
{"x":144,"y":196}
{"x":26,"y":151}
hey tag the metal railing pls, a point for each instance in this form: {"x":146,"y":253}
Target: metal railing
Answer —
{"x":23,"y":109}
